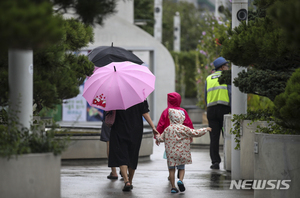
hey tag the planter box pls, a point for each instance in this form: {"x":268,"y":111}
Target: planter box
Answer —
{"x":247,"y":146}
{"x":277,"y":158}
{"x":227,"y":142}
{"x":246,"y":149}
{"x":90,"y":147}
{"x":30,"y":175}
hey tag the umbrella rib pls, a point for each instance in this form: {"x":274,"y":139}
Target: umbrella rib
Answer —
{"x":91,"y":85}
{"x":123,"y":104}
{"x":145,"y":75}
{"x":150,"y":75}
{"x":136,"y":94}
{"x":93,"y":80}
{"x":133,"y":89}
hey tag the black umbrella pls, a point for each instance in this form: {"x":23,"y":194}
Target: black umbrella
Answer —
{"x":104,"y":55}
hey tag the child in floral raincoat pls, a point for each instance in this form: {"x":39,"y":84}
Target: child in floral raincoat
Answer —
{"x":174,"y":102}
{"x":177,"y":139}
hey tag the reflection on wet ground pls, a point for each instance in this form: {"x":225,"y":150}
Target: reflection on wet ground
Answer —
{"x":219,"y":180}
{"x":150,"y":180}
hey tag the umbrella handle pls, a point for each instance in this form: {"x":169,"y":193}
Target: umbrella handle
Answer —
{"x":115,"y":68}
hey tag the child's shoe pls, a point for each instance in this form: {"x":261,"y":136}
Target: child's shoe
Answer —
{"x":181,"y":186}
{"x":174,"y":190}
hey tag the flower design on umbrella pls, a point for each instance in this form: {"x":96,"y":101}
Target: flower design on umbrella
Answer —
{"x":100,"y":101}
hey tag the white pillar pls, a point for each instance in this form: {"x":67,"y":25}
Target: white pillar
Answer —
{"x":177,"y":32}
{"x":239,"y":100}
{"x":158,"y":20}
{"x":20,"y":80}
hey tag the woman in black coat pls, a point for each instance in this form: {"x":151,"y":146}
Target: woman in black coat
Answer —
{"x":125,"y":140}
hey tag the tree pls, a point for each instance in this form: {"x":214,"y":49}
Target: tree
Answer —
{"x":287,"y":104}
{"x":4,"y":80}
{"x":57,"y":74}
{"x":88,"y":12}
{"x":25,"y":24}
{"x":261,"y":45}
{"x":20,"y":28}
{"x":60,"y":72}
{"x":190,"y":20}
{"x":33,"y":24}
{"x":143,"y":12}
{"x":268,"y":83}
{"x":269,"y":47}
{"x":286,"y":15}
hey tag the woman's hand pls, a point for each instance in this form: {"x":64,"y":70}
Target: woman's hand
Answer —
{"x":155,"y":132}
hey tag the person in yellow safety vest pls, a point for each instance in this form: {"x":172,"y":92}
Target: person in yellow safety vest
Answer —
{"x":218,"y":102}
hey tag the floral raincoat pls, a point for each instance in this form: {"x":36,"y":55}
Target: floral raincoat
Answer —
{"x":177,"y":139}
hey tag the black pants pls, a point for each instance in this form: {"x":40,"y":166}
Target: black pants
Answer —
{"x":215,"y":117}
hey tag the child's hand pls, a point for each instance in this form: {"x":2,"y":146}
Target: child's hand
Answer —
{"x":157,"y":142}
{"x":209,"y":129}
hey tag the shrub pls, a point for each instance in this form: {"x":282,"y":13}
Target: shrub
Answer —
{"x":18,"y":140}
{"x":287,"y":104}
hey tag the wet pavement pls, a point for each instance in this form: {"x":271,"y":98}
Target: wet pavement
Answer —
{"x":88,"y":179}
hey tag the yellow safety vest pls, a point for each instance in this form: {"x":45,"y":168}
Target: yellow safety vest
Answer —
{"x":216,"y":93}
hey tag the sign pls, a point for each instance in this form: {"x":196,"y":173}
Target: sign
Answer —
{"x":74,"y":109}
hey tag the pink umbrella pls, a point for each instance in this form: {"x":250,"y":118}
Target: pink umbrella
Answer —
{"x":119,"y":85}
